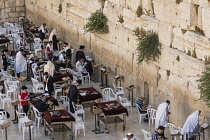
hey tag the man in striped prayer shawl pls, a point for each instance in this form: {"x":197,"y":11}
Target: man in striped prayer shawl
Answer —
{"x":20,"y":63}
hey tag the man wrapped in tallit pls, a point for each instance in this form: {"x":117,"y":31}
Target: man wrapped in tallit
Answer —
{"x":50,"y":68}
{"x":54,"y":39}
{"x":191,"y":126}
{"x":20,"y":63}
{"x":162,"y":114}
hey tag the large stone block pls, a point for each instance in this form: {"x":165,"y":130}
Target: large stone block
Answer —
{"x":10,"y":3}
{"x":20,"y":2}
{"x":1,"y":5}
{"x":205,"y":21}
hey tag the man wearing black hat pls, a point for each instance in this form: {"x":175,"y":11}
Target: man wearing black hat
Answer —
{"x":159,"y":134}
{"x":5,"y":59}
{"x":73,"y":94}
{"x":80,"y":54}
{"x":49,"y":83}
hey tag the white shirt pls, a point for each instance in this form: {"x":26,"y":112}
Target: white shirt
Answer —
{"x":79,"y":66}
{"x":61,"y":57}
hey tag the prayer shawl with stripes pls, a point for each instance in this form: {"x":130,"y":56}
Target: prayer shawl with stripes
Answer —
{"x":49,"y":67}
{"x":20,"y":63}
{"x":161,"y":115}
{"x":191,"y":123}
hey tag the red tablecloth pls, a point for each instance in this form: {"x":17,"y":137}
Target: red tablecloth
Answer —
{"x":59,"y":77}
{"x":52,"y":119}
{"x":3,"y":40}
{"x":52,"y":99}
{"x":111,"y":111}
{"x":89,"y":96}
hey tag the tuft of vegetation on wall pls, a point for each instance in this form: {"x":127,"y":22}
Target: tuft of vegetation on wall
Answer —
{"x":148,"y":46}
{"x":97,"y":23}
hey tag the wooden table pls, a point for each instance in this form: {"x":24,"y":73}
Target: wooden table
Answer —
{"x":130,"y":89}
{"x":50,"y":122}
{"x":111,"y":112}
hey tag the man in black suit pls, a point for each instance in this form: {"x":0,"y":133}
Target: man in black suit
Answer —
{"x":80,"y":54}
{"x":49,"y":88}
{"x":73,"y":93}
{"x":41,"y":104}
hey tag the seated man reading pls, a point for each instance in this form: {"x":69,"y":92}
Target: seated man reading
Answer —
{"x":143,"y":108}
{"x":41,"y":105}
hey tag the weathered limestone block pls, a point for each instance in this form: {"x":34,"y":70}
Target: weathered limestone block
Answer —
{"x":1,"y":5}
{"x":113,"y":11}
{"x":128,"y":17}
{"x":92,"y":6}
{"x":22,"y":14}
{"x":13,"y":14}
{"x":10,"y":3}
{"x":147,"y":6}
{"x":205,"y":21}
{"x":20,"y":9}
{"x":165,"y":33}
{"x":153,"y":24}
{"x":75,"y":16}
{"x":20,"y":2}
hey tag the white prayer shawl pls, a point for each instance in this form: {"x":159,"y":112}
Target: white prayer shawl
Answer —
{"x":20,"y":63}
{"x":49,"y":67}
{"x":161,"y":115}
{"x":42,"y":28}
{"x":190,"y":123}
{"x":51,"y":34}
{"x":66,"y":48}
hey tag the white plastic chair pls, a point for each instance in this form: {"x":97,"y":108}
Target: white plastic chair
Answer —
{"x":147,"y":135}
{"x":151,"y":115}
{"x":37,"y":48}
{"x":124,"y":102}
{"x":140,"y":114}
{"x":37,"y":86}
{"x":3,"y":118}
{"x":57,"y":89}
{"x":136,"y":138}
{"x":78,"y":126}
{"x":22,"y":117}
{"x":38,"y":116}
{"x":26,"y":129}
{"x":10,"y":90}
{"x":174,"y":129}
{"x":3,"y":31}
{"x":79,"y":110}
{"x":5,"y":99}
{"x":118,"y":90}
{"x":108,"y":95}
{"x":36,"y":75}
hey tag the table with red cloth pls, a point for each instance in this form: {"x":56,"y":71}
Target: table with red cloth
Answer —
{"x":50,"y":98}
{"x":91,"y":95}
{"x":59,"y":77}
{"x":111,"y":112}
{"x":51,"y":120}
{"x":3,"y":40}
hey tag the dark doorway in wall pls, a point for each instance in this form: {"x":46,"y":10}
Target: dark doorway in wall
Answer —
{"x":146,"y":92}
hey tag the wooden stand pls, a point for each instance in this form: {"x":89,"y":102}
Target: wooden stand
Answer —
{"x":130,"y":89}
{"x":104,"y":75}
{"x":95,"y":72}
{"x":118,"y":78}
{"x":97,"y":112}
{"x":5,"y":126}
{"x":15,"y":104}
{"x":28,"y":124}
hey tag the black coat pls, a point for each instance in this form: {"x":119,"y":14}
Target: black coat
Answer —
{"x":73,"y":93}
{"x":80,"y":54}
{"x":41,"y":106}
{"x":68,"y":53}
{"x":55,"y":42}
{"x":57,"y":67}
{"x":50,"y":84}
{"x":4,"y":58}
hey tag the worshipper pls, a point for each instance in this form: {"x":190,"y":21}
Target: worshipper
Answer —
{"x":35,"y":65}
{"x":56,"y":65}
{"x":5,"y":59}
{"x":67,"y":49}
{"x":191,"y":125}
{"x":21,"y":43}
{"x":42,"y":31}
{"x":20,"y":63}
{"x":24,"y":98}
{"x":162,"y":114}
{"x":8,"y":115}
{"x":159,"y":134}
{"x":62,"y":59}
{"x":80,"y":65}
{"x":49,"y":67}
{"x":49,"y":88}
{"x":53,"y":38}
{"x":80,"y":54}
{"x":41,"y":105}
{"x":73,"y":93}
{"x":49,"y":50}
{"x":129,"y":136}
{"x":143,"y":108}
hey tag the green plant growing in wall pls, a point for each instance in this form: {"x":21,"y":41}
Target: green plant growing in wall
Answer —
{"x":198,"y":30}
{"x":139,"y":11}
{"x":189,"y":52}
{"x":148,"y":47}
{"x":179,"y":1}
{"x":97,"y":23}
{"x":60,"y":8}
{"x":194,"y":54}
{"x":121,"y":20}
{"x":178,"y":58}
{"x":102,"y":3}
{"x":204,"y":86}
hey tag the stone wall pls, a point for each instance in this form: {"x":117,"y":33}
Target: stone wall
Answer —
{"x":117,"y":50}
{"x":12,"y":10}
